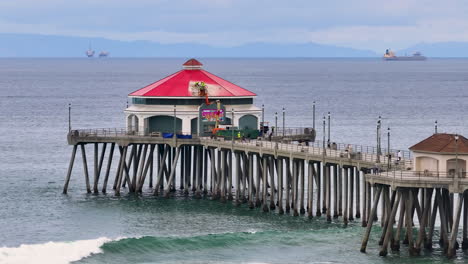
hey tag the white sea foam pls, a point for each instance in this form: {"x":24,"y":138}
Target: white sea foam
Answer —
{"x":52,"y":252}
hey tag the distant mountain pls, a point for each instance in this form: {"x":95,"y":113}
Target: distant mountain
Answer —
{"x":31,"y":45}
{"x":439,"y":49}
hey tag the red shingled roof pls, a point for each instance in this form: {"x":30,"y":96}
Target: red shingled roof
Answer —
{"x":181,"y":84}
{"x":442,"y":143}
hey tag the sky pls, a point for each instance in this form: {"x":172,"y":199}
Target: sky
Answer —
{"x":362,"y":24}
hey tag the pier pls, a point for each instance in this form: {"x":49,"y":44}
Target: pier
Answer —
{"x":288,"y":177}
{"x":172,"y":142}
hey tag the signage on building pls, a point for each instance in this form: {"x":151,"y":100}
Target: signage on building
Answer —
{"x":211,"y":115}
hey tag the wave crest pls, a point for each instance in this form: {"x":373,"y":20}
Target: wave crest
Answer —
{"x":52,"y":252}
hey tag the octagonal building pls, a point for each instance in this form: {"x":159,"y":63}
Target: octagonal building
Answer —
{"x":187,"y":97}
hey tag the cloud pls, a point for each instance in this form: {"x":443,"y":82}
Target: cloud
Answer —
{"x":365,"y":24}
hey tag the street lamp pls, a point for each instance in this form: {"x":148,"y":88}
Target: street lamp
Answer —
{"x":379,"y":152}
{"x":175,"y":118}
{"x":69,"y":117}
{"x":456,"y":155}
{"x":313,"y":116}
{"x":324,"y":152}
{"x":435,"y":127}
{"x":232,"y":126}
{"x":263,"y":119}
{"x":329,"y":128}
{"x":284,"y":122}
{"x":276,"y":123}
{"x":388,"y":147}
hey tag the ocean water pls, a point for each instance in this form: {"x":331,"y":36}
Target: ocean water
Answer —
{"x":40,"y":225}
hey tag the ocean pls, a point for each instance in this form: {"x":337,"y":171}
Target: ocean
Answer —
{"x":38,"y":224}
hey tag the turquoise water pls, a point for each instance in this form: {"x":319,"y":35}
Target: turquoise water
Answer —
{"x":40,"y":225}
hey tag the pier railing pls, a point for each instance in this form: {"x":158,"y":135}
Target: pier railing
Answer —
{"x":420,"y":175}
{"x":316,"y":148}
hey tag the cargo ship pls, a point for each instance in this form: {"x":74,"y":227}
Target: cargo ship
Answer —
{"x":390,"y":56}
{"x":103,"y":54}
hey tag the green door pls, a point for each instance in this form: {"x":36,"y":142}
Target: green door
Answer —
{"x":164,"y":124}
{"x":248,"y":122}
{"x":194,"y":126}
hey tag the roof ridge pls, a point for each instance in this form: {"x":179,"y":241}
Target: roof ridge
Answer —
{"x":167,"y":77}
{"x":448,"y":143}
{"x":205,"y":71}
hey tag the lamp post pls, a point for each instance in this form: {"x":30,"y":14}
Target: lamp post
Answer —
{"x":379,"y":153}
{"x":329,"y":128}
{"x":313,"y":115}
{"x":276,"y":123}
{"x":263,"y":119}
{"x":175,"y":119}
{"x":284,"y":121}
{"x":388,"y":147}
{"x":435,"y":127}
{"x":69,"y":117}
{"x":232,"y":126}
{"x":324,"y":152}
{"x":456,"y":155}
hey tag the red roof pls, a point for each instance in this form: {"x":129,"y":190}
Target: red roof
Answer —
{"x":181,"y":84}
{"x":442,"y":143}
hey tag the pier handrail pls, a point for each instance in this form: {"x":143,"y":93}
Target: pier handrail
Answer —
{"x":420,"y":175}
{"x":333,"y":150}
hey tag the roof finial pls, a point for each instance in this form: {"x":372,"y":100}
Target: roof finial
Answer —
{"x":192,"y":64}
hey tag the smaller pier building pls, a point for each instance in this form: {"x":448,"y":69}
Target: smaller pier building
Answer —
{"x":432,"y":195}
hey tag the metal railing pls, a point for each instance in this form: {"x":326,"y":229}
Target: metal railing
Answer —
{"x":318,"y":150}
{"x":334,"y":150}
{"x":421,"y":175}
{"x":291,"y":131}
{"x":120,"y":132}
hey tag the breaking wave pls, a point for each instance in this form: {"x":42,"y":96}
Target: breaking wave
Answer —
{"x":52,"y":252}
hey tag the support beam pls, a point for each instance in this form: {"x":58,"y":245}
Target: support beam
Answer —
{"x":70,"y":168}
{"x":302,"y":186}
{"x":85,"y":167}
{"x":345,"y":188}
{"x":318,"y":213}
{"x":171,"y":176}
{"x":390,"y":221}
{"x":271,"y":165}
{"x":162,"y":165}
{"x":265,"y":186}
{"x":423,"y":223}
{"x":280,"y":185}
{"x":109,"y":164}
{"x":454,"y":230}
{"x":370,"y":223}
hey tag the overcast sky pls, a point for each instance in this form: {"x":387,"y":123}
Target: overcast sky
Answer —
{"x":363,"y":24}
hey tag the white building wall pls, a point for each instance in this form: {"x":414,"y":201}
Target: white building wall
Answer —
{"x":184,"y":112}
{"x":425,"y":161}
